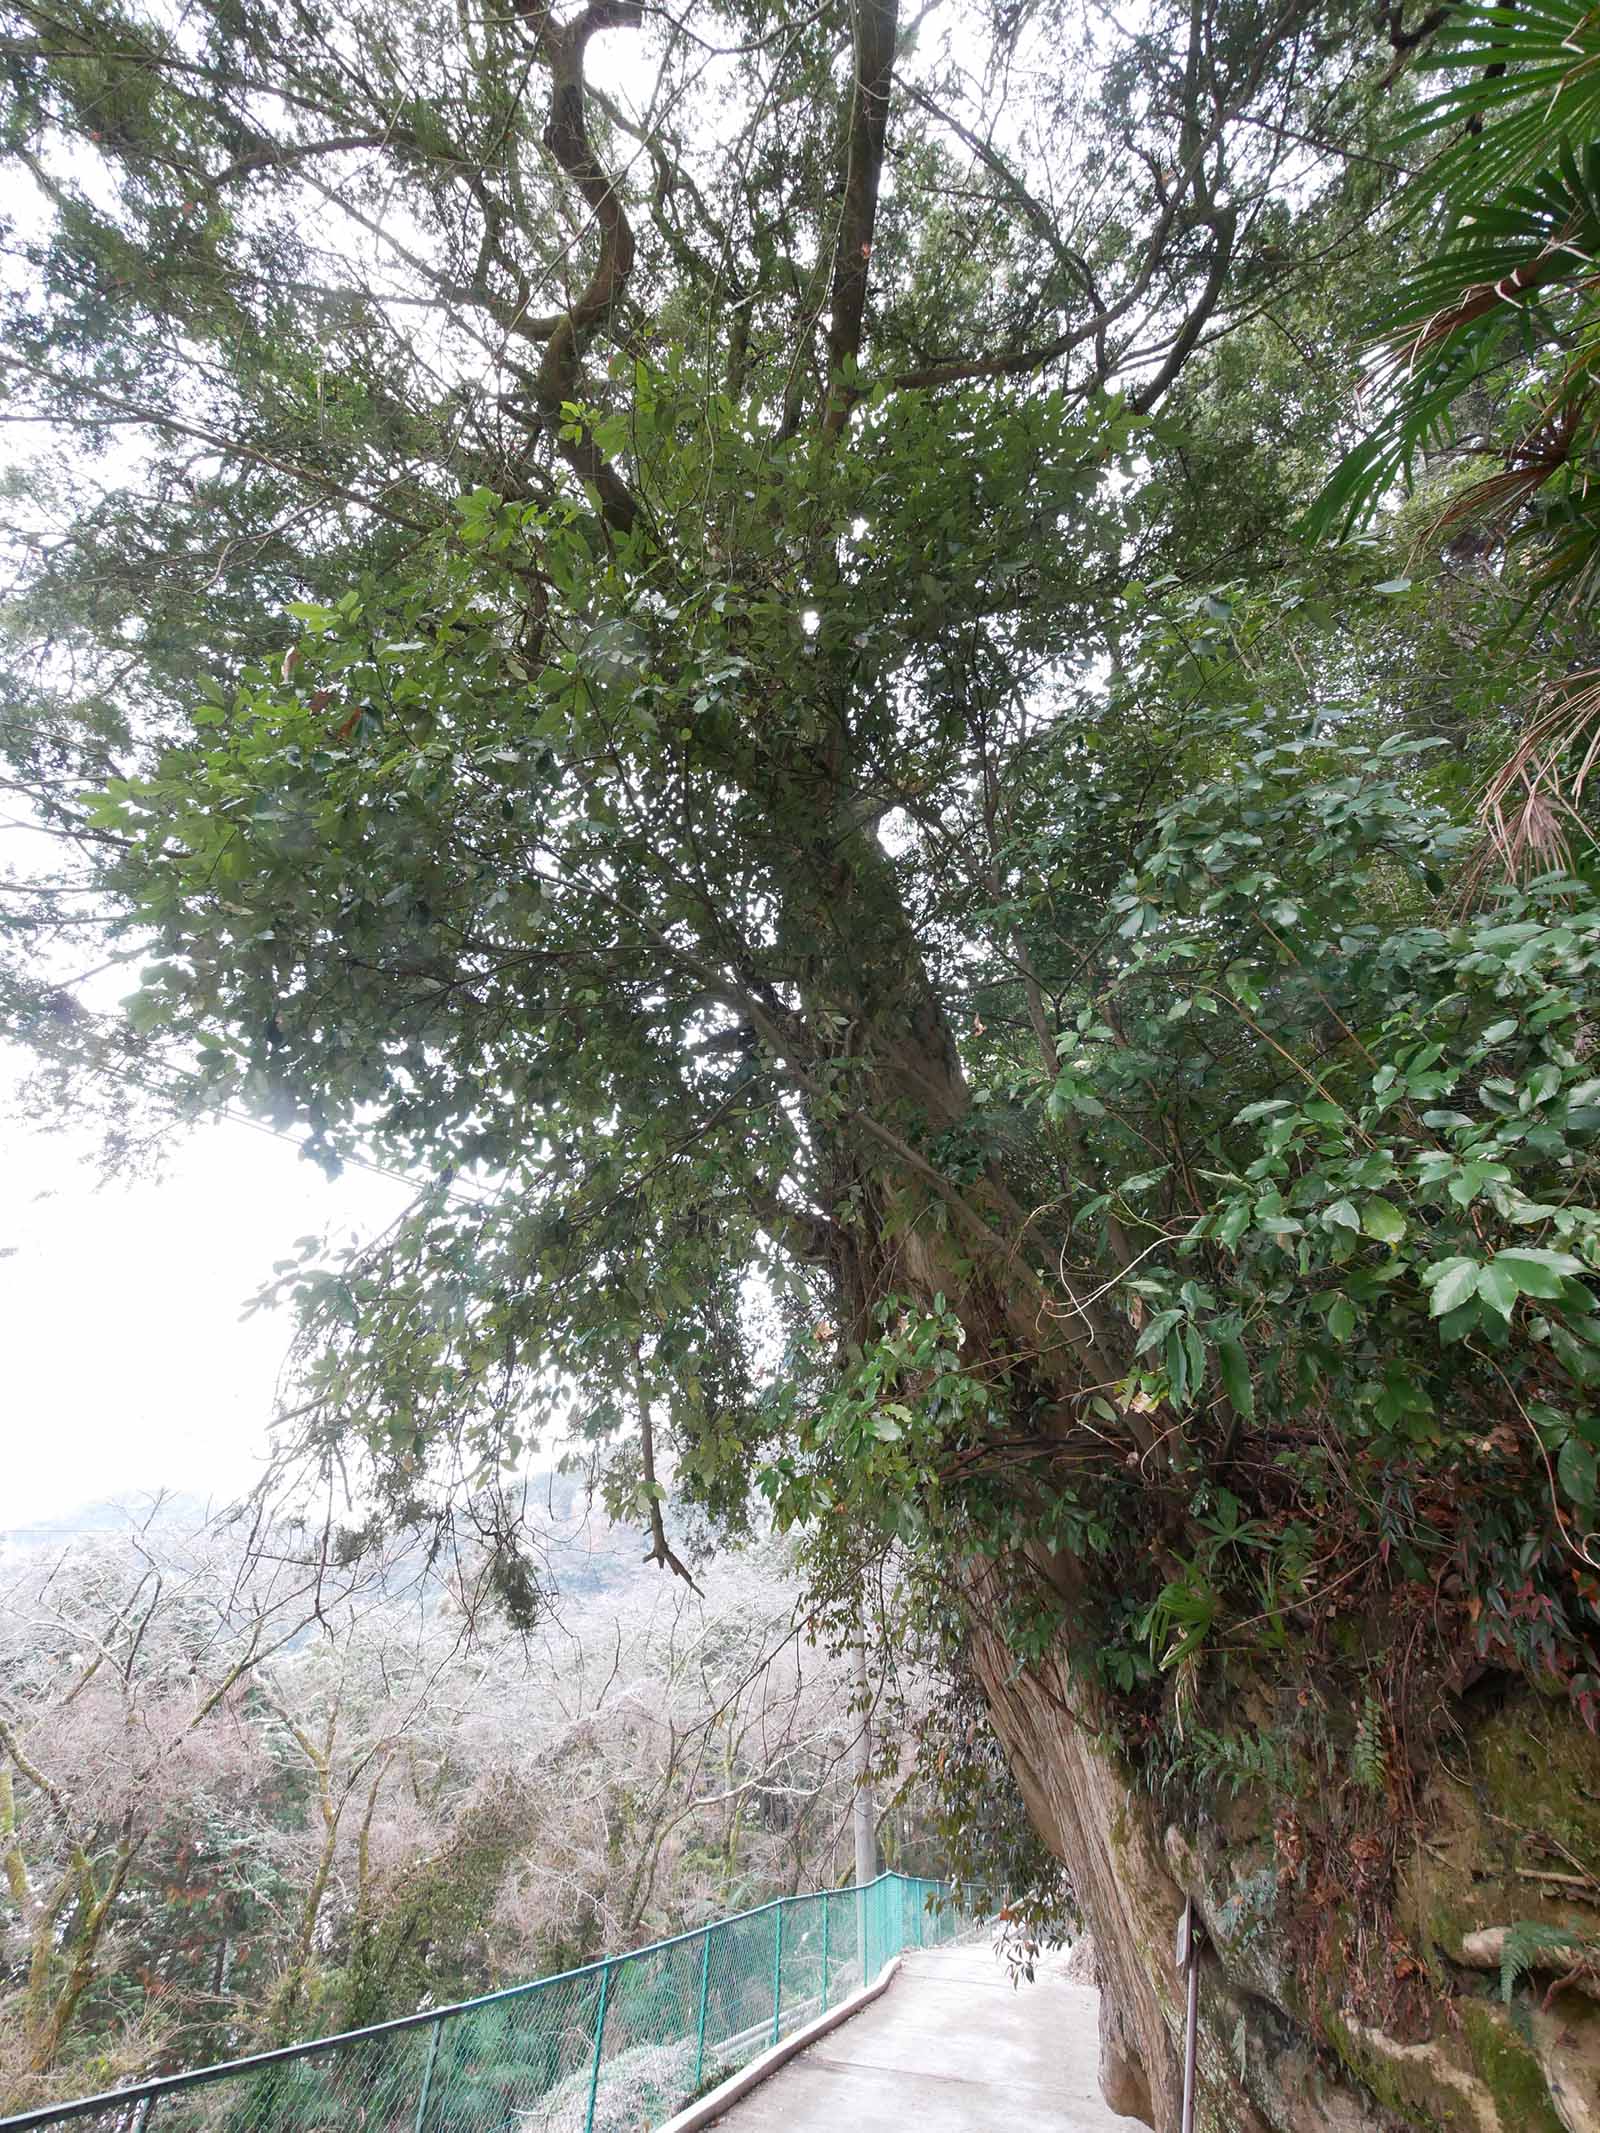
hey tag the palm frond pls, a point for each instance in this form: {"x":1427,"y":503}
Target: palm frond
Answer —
{"x":1516,"y":274}
{"x":1530,"y":805}
{"x":1525,"y":83}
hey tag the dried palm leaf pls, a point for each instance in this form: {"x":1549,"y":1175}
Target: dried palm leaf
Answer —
{"x":1530,"y":805}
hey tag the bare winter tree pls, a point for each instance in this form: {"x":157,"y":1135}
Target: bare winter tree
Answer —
{"x":244,"y":1797}
{"x":126,"y":1673}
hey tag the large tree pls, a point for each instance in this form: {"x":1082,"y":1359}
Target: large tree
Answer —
{"x":750,"y":726}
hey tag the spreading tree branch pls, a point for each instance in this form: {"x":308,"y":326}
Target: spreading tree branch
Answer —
{"x":875,"y":22}
{"x":661,"y":1550}
{"x":560,"y":377}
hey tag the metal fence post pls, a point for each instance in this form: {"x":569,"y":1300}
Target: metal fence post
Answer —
{"x":700,"y":2029}
{"x":427,"y":2078}
{"x":599,"y":2033}
{"x":1186,"y":1960}
{"x":777,"y":1966}
{"x":827,"y":1913}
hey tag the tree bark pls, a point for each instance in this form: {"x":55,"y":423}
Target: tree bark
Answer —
{"x":1076,"y":1798}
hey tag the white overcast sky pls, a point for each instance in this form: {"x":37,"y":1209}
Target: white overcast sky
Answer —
{"x":127,"y":1367}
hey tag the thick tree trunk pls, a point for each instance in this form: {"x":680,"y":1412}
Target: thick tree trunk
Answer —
{"x":1077,"y":1796}
{"x":1078,"y":1800}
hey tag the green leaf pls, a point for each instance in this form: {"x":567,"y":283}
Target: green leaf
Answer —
{"x":1452,"y":1282}
{"x":1527,"y":1939}
{"x":1577,"y":1470}
{"x":1195,"y":1348}
{"x":1177,"y":1369}
{"x":1536,"y":1272}
{"x":146,"y":1010}
{"x":1234,"y":1221}
{"x":1342,"y":1319}
{"x":1498,"y":1288}
{"x":1157,"y":1330}
{"x":1383,"y":1220}
{"x":1234,"y":1365}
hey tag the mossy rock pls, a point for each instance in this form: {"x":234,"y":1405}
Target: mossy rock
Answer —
{"x":1539,"y":1768}
{"x":1478,"y":2077}
{"x":1508,"y":2069}
{"x":1566,"y":2036}
{"x":1521,"y":1803}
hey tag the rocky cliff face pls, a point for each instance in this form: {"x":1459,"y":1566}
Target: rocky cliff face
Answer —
{"x":1443,"y":1975}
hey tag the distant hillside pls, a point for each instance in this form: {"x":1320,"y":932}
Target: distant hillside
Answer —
{"x":171,"y":1509}
{"x":586,"y":1553}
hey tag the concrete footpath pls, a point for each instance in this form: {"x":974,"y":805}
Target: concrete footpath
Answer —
{"x":949,"y":2048}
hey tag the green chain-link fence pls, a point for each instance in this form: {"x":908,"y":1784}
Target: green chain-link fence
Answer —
{"x":615,"y":2047}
